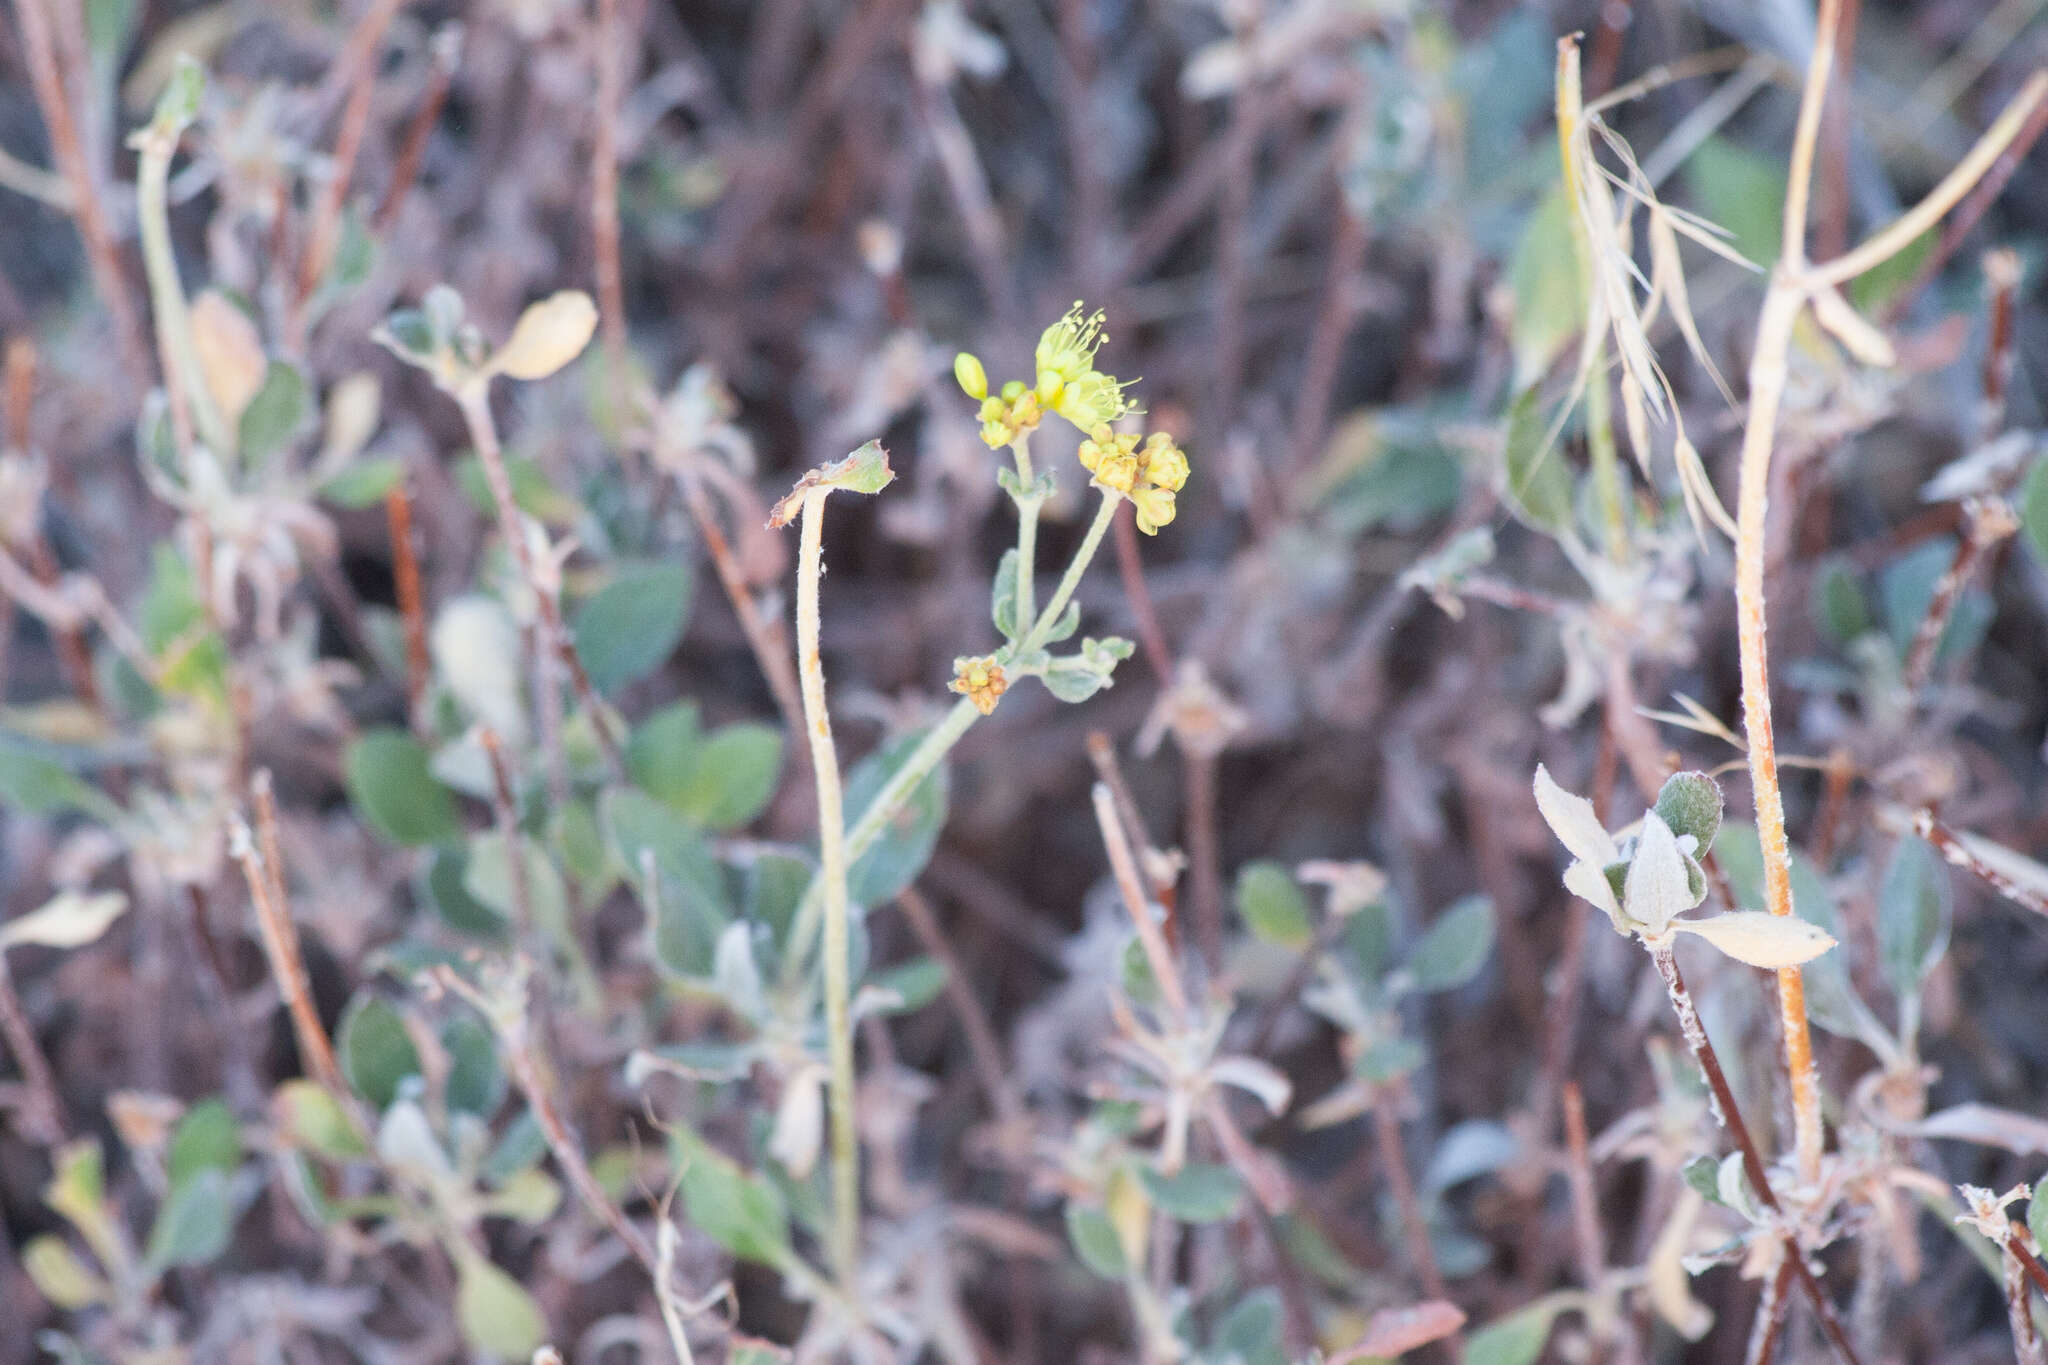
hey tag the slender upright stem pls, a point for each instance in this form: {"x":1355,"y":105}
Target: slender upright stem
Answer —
{"x":833,"y":860}
{"x":1386,"y":1131}
{"x":42,"y":1114}
{"x":1071,"y":580}
{"x":405,"y":573}
{"x":191,"y":403}
{"x":1028,"y":503}
{"x":101,"y":254}
{"x":474,"y":399}
{"x":257,"y":855}
{"x":359,"y":62}
{"x":604,"y":201}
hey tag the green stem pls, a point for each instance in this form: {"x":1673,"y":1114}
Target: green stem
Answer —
{"x":832,"y":854}
{"x":1072,"y":578}
{"x":179,"y":354}
{"x":1028,"y":503}
{"x":1606,"y":464}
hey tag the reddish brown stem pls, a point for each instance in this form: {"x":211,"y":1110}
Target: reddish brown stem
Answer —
{"x":102,"y":258}
{"x":1752,"y":1162}
{"x":405,"y":573}
{"x":1151,"y":638}
{"x":604,"y":192}
{"x":982,"y":1045}
{"x":447,"y":50}
{"x":41,"y":1113}
{"x":261,"y":860}
{"x":1386,"y":1130}
{"x":358,"y":62}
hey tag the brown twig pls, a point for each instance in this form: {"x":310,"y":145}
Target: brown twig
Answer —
{"x":1125,"y":867}
{"x":1986,"y":522}
{"x":101,"y":255}
{"x":258,"y":853}
{"x":1386,"y":1131}
{"x":1591,"y":1244}
{"x":1971,"y":210}
{"x":1730,"y":1116}
{"x":1205,"y":857}
{"x":604,"y":192}
{"x":447,"y":51}
{"x":1955,"y":846}
{"x":505,"y":808}
{"x":42,"y":1112}
{"x":405,"y":574}
{"x":2016,"y":1245}
{"x":765,"y":633}
{"x":1770,"y":1316}
{"x":356,"y":65}
{"x":1131,"y":569}
{"x":982,"y":1047}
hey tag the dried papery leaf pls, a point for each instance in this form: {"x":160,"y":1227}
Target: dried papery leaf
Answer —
{"x":1255,"y":1078}
{"x":70,"y":919}
{"x":1761,"y":939}
{"x":1571,"y":817}
{"x":1859,"y":337}
{"x":1667,"y":270}
{"x":1986,"y":1125}
{"x":1670,"y":1288}
{"x":1659,"y":888}
{"x":1697,"y":718}
{"x":864,"y":471}
{"x":353,"y":407}
{"x":1396,"y":1331}
{"x":548,"y":336}
{"x":1700,"y":498}
{"x":231,"y":359}
{"x":1637,"y":419}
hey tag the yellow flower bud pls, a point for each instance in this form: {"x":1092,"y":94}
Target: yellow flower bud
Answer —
{"x":1118,"y":471}
{"x":981,"y":681}
{"x":1048,"y":387}
{"x":1013,"y":390}
{"x":1165,"y":463}
{"x":969,"y":374}
{"x":1154,"y":507}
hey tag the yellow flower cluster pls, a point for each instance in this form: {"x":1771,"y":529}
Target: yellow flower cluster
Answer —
{"x":1149,"y":476}
{"x":981,"y":681}
{"x":1069,"y":384}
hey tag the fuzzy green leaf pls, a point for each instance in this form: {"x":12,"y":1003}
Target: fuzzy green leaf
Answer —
{"x":375,"y":1051}
{"x":1455,"y":948}
{"x":1914,"y":912}
{"x":194,"y":1224}
{"x":1197,"y":1193}
{"x":629,"y":627}
{"x":390,"y":782}
{"x":1272,"y":906}
{"x":498,"y":1317}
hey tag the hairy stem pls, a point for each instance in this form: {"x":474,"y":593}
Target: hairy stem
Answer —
{"x":833,"y":860}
